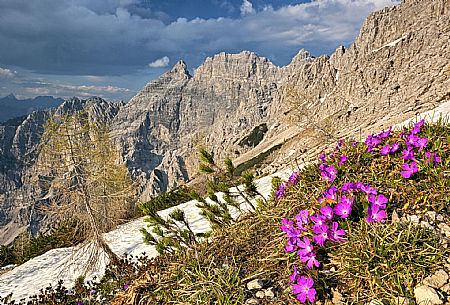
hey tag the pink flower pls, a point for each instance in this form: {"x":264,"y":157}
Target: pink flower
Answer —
{"x":336,"y":234}
{"x":379,"y":200}
{"x":303,"y":289}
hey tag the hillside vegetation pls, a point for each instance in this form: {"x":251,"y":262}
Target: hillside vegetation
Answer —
{"x":345,"y":227}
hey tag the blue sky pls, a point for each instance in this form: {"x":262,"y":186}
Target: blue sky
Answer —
{"x":112,"y":48}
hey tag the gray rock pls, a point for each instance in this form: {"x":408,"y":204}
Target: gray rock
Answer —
{"x":395,"y":217}
{"x":436,"y":280}
{"x":337,"y":298}
{"x":446,"y":288}
{"x":255,"y":284}
{"x":431,"y":215}
{"x":426,"y":295}
{"x":269,"y":292}
{"x":415,"y":219}
{"x":445,"y":229}
{"x":260,"y":294}
{"x":252,"y":301}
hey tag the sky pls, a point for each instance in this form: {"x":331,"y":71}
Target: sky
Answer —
{"x":112,"y":48}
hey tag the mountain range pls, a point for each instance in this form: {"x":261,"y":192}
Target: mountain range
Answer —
{"x":12,"y":107}
{"x":245,"y":107}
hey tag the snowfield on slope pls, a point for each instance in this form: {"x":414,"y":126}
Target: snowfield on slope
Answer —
{"x":67,"y":263}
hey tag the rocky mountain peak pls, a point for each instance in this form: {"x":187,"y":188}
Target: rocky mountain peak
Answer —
{"x":180,"y":70}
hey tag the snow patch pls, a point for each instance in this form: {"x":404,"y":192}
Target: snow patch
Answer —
{"x":393,"y":43}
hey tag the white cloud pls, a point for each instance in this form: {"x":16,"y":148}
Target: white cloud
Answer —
{"x":7,"y":73}
{"x":160,"y":62}
{"x":247,"y":8}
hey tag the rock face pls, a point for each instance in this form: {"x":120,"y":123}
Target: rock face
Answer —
{"x":21,"y":187}
{"x":243,"y":106}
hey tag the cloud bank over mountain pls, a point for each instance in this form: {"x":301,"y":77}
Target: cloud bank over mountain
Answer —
{"x":119,"y":38}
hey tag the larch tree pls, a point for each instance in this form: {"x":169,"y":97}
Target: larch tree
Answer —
{"x":88,"y":183}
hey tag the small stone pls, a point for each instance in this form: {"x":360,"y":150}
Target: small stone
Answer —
{"x":337,"y":297}
{"x":260,"y":294}
{"x":413,"y":218}
{"x":431,"y":215}
{"x":395,"y":217}
{"x":252,"y":301}
{"x":437,"y":280}
{"x":255,"y":284}
{"x":269,"y":293}
{"x":426,"y":295}
{"x":426,"y":225}
{"x":445,"y":229}
{"x":446,"y":288}
{"x":375,"y":302}
{"x":439,"y":217}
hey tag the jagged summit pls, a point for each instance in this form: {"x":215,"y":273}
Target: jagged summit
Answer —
{"x":180,"y":69}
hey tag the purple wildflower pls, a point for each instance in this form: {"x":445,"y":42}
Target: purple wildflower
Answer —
{"x":322,"y":234}
{"x":125,"y":287}
{"x":385,"y":150}
{"x":336,"y":233}
{"x":385,"y":134}
{"x":379,"y":200}
{"x":394,"y":148}
{"x":293,"y":179}
{"x":375,"y":214}
{"x":310,"y":260}
{"x":319,"y":220}
{"x":343,"y":209}
{"x":79,"y":303}
{"x":368,"y":189}
{"x":302,"y":219}
{"x":91,"y":292}
{"x":342,"y":160}
{"x":412,"y":140}
{"x":372,"y":142}
{"x":422,"y":143}
{"x":303,"y":289}
{"x":437,"y":158}
{"x":417,"y":127}
{"x":287,"y":225}
{"x":327,"y":212}
{"x":355,"y":143}
{"x":294,"y":276}
{"x":408,"y":154}
{"x":305,"y":247}
{"x":328,"y":172}
{"x":348,"y":187}
{"x":331,"y":193}
{"x":290,"y":246}
{"x":281,"y":190}
{"x":409,"y":169}
{"x":359,"y":185}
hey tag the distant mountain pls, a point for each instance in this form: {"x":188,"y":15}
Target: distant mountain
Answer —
{"x":11,"y":107}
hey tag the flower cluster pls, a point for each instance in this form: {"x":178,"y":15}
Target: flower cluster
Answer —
{"x":283,"y":187}
{"x":310,"y":231}
{"x":313,"y":229}
{"x":413,"y":143}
